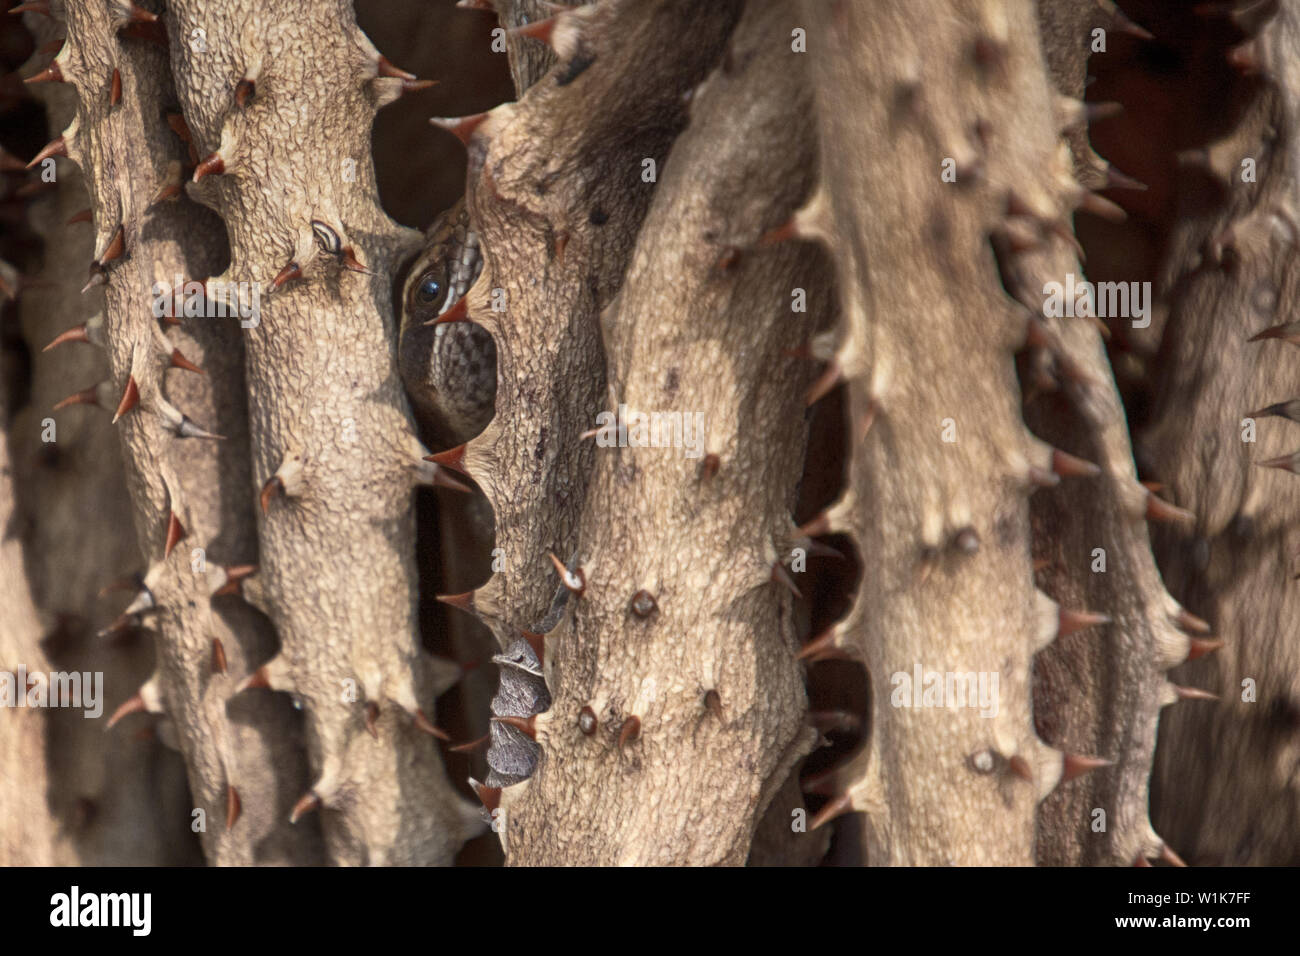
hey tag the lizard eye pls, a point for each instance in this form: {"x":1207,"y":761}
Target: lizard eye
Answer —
{"x":430,"y":290}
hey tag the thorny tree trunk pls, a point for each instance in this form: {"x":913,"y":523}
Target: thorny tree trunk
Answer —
{"x":684,"y":205}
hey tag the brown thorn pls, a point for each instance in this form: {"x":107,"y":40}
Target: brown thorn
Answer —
{"x":84,"y":216}
{"x":1283,"y":463}
{"x":1200,"y":646}
{"x":372,"y":719}
{"x":568,"y":578}
{"x":457,"y":313}
{"x":134,"y":705}
{"x":470,"y":746}
{"x":1160,"y":510}
{"x":820,"y":648}
{"x":539,"y":30}
{"x":34,"y":6}
{"x":385,"y":67}
{"x":175,"y":533}
{"x":130,"y":398}
{"x":87,"y":396}
{"x":1020,"y":767}
{"x":1169,"y":856}
{"x":180,"y":361}
{"x":116,"y":246}
{"x":178,"y":126}
{"x":350,"y":261}
{"x":536,"y":641}
{"x":836,"y":808}
{"x":1190,"y":622}
{"x":308,"y":802}
{"x":709,"y":466}
{"x":461,"y":127}
{"x":490,"y":797}
{"x":825,"y":382}
{"x":115,"y":88}
{"x":630,"y":731}
{"x":453,"y":458}
{"x":51,"y":74}
{"x":213,"y":165}
{"x":1068,"y":466}
{"x":55,"y":147}
{"x":244,"y":90}
{"x":273,"y":486}
{"x":525,"y":725}
{"x":423,"y":723}
{"x":464,"y":601}
{"x":1194,"y":693}
{"x":233,"y":806}
{"x":1076,"y":765}
{"x":782,"y":577}
{"x":259,"y":678}
{"x":77,"y":333}
{"x":1071,"y":621}
{"x":218,"y":656}
{"x":235,"y":574}
{"x":287,"y":274}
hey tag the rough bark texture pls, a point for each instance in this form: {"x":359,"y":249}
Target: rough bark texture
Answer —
{"x":1236,"y":566}
{"x":682,"y":644}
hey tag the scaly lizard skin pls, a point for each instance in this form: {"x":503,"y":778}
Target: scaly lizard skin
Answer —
{"x":449,"y":369}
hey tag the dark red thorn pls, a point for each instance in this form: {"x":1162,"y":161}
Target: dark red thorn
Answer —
{"x":218,"y":656}
{"x":287,"y":274}
{"x":490,"y":797}
{"x":1068,"y":466}
{"x":115,"y":88}
{"x":213,"y":165}
{"x":77,"y":333}
{"x":259,"y":678}
{"x":1194,"y":693}
{"x":233,"y":806}
{"x":372,"y":719}
{"x":86,"y":396}
{"x":787,"y":230}
{"x":825,"y":382}
{"x":84,"y":216}
{"x":540,"y":30}
{"x":1020,"y":767}
{"x":1160,"y":510}
{"x":463,"y":127}
{"x":180,"y":361}
{"x":134,"y":705}
{"x":782,"y":577}
{"x":836,"y":808}
{"x":630,"y":731}
{"x":1076,"y":765}
{"x":822,"y":647}
{"x":244,"y":90}
{"x":273,"y":487}
{"x":457,"y":313}
{"x":235,"y":575}
{"x":35,"y":6}
{"x":463,"y":601}
{"x":1071,"y":621}
{"x":385,"y":67}
{"x":116,"y":246}
{"x":175,"y":533}
{"x":1201,"y":646}
{"x":308,"y":802}
{"x":526,"y":725}
{"x":51,"y":74}
{"x":1190,"y":622}
{"x":423,"y":723}
{"x":536,"y":641}
{"x":453,"y":458}
{"x":471,"y":746}
{"x":587,"y":722}
{"x":178,"y":125}
{"x":1169,"y":856}
{"x":55,"y":147}
{"x":130,"y":398}
{"x":350,"y":261}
